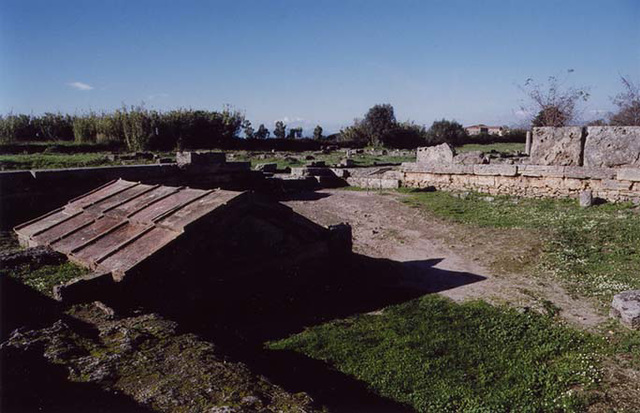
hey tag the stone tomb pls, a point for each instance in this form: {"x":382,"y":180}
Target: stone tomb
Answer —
{"x":124,"y":229}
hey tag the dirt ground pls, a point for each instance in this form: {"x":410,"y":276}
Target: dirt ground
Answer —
{"x":456,"y":261}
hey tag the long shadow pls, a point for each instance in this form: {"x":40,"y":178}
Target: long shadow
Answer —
{"x":240,"y":317}
{"x":29,"y":382}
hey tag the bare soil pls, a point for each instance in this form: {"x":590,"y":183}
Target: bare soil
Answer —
{"x":457,"y":261}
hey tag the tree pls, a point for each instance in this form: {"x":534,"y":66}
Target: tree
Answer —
{"x":628,"y":103}
{"x":280,"y":130}
{"x":550,"y":116}
{"x":317,"y":132}
{"x":446,"y":131}
{"x":249,"y":132}
{"x":295,"y":133}
{"x":405,"y":135}
{"x":553,"y":103}
{"x":379,"y":121}
{"x":262,"y":133}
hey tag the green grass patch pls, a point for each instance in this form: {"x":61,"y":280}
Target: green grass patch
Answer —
{"x":498,"y":147}
{"x":44,"y":278}
{"x":595,"y":250}
{"x":59,"y":161}
{"x":436,"y":355}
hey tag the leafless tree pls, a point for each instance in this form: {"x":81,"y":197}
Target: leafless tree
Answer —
{"x":552,"y":103}
{"x":628,"y":103}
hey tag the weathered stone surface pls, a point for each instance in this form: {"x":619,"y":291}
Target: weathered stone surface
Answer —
{"x":586,"y":198}
{"x":612,"y":146}
{"x":437,"y":155}
{"x":629,"y":174}
{"x":626,"y":307}
{"x":616,"y":185}
{"x":504,"y":170}
{"x":267,"y":167}
{"x":542,"y":170}
{"x":200,"y":159}
{"x":557,"y":146}
{"x":470,"y":158}
{"x":581,"y":172}
{"x":374,"y":183}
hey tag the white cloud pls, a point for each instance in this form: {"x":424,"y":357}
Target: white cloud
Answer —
{"x":288,"y":120}
{"x":80,"y":86}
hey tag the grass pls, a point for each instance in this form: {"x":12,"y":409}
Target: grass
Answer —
{"x":435,"y":355}
{"x":60,"y":161}
{"x":596,"y":250}
{"x":44,"y":278}
{"x":498,"y":147}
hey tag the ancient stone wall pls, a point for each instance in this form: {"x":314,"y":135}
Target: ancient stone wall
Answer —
{"x":591,"y":146}
{"x":535,"y":181}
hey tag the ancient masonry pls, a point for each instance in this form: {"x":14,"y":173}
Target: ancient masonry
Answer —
{"x":602,"y":162}
{"x":124,"y":230}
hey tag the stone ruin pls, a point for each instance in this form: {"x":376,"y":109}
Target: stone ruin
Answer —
{"x":578,"y":162}
{"x":133,"y":235}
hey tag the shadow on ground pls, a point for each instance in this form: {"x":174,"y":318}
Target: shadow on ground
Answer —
{"x":240,"y":317}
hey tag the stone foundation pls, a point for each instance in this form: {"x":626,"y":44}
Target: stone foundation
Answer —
{"x":533,"y":181}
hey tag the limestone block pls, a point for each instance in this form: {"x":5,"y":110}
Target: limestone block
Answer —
{"x":485,"y":180}
{"x":557,"y":146}
{"x":581,"y":172}
{"x":626,"y":307}
{"x":573,"y":184}
{"x":615,"y":185}
{"x":504,"y":170}
{"x":586,"y":199}
{"x":542,"y":170}
{"x":629,"y":174}
{"x":200,"y":158}
{"x":439,"y":154}
{"x":612,"y":146}
{"x":470,"y":158}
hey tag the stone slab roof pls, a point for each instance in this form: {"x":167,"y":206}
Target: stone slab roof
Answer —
{"x":118,"y":225}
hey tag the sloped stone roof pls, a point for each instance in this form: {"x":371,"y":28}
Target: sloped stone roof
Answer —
{"x":115,"y":227}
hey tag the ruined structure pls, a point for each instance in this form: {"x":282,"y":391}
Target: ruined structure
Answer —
{"x":125,"y":230}
{"x":564,"y":162}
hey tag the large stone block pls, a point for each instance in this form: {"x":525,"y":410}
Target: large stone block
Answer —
{"x":504,"y":170}
{"x":581,"y":172}
{"x":629,"y":174}
{"x":200,"y":158}
{"x":542,"y":170}
{"x":557,"y":146}
{"x":438,"y":155}
{"x":612,"y":146}
{"x":470,"y":158}
{"x":626,"y":307}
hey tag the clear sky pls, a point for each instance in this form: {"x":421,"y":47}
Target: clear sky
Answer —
{"x":312,"y":62}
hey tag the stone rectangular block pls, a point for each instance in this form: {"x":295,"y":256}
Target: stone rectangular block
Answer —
{"x":615,"y":185}
{"x":504,"y":170}
{"x":542,"y":170}
{"x":612,"y":146}
{"x":557,"y":146}
{"x":629,"y":174}
{"x":582,"y":172}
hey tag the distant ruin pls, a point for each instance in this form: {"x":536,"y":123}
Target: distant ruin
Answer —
{"x":564,"y":162}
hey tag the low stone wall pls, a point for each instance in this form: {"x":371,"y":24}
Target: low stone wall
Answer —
{"x":27,"y":194}
{"x":536,"y":181}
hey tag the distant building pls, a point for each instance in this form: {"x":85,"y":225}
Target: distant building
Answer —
{"x":484,"y":129}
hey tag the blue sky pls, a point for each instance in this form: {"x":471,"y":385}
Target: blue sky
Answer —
{"x":312,"y":62}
